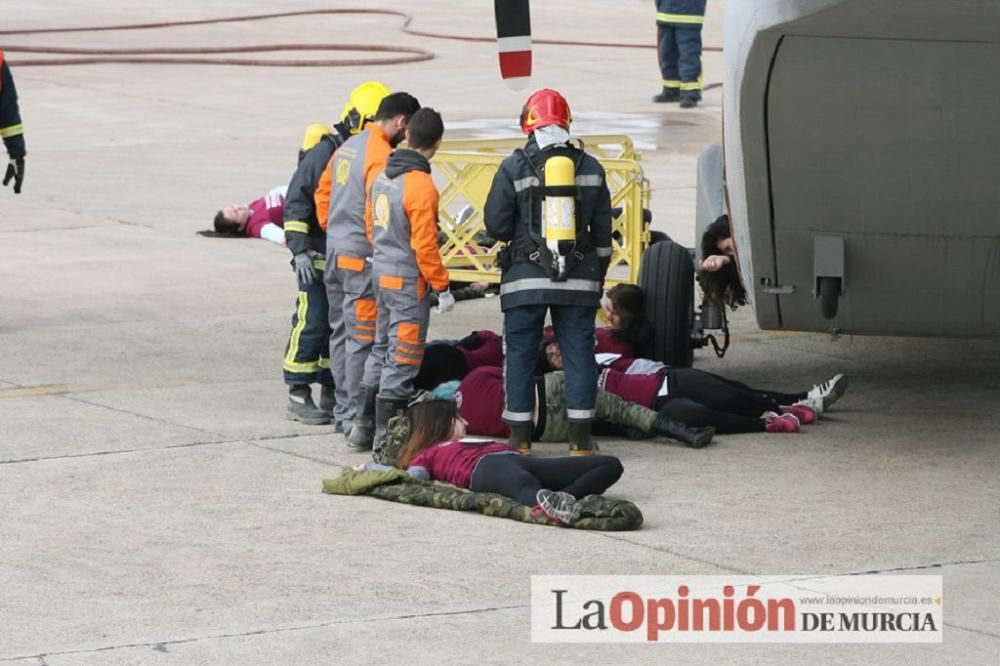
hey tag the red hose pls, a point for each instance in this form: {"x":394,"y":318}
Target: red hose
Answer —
{"x":152,"y":55}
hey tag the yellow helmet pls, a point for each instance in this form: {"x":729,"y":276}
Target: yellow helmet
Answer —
{"x":363,"y":104}
{"x":313,"y":134}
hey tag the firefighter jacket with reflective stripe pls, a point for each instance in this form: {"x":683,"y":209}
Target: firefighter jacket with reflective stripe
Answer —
{"x":302,"y":228}
{"x":404,"y":202}
{"x":513,"y":214}
{"x":681,"y":12}
{"x":352,"y":172}
{"x":10,"y":117}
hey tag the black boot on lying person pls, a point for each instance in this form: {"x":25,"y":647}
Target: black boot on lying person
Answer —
{"x":696,"y":438}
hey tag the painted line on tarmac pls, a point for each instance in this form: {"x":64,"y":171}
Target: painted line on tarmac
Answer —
{"x":161,"y":646}
{"x":67,"y":389}
{"x":239,"y":440}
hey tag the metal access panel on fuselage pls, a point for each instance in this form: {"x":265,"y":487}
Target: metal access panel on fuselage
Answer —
{"x":881,"y":132}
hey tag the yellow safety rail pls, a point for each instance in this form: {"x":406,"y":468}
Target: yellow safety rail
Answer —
{"x":611,"y":146}
{"x":465,"y":170}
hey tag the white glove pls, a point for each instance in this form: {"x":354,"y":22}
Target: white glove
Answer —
{"x":446,"y":302}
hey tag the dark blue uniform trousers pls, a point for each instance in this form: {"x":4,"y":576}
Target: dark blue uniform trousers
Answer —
{"x":574,"y":328}
{"x":680,"y":58}
{"x":307,"y":354}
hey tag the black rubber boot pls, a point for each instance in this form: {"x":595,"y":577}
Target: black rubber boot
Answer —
{"x":520,"y":437}
{"x":693,"y":437}
{"x":363,"y":430}
{"x":385,"y":409}
{"x":690,"y":101}
{"x":668,"y":95}
{"x":301,"y":407}
{"x":580,"y":443}
{"x":327,"y":399}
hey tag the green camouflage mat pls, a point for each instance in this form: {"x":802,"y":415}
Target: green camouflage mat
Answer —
{"x":596,"y":512}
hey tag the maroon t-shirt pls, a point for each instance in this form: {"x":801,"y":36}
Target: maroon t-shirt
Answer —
{"x":640,"y":389}
{"x":489,"y":353}
{"x":269,"y":209}
{"x":453,"y":462}
{"x":607,"y":343}
{"x":480,"y":402}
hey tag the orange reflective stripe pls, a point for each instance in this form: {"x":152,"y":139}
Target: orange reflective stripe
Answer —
{"x":409,"y":332}
{"x":356,"y":264}
{"x":394,"y":282}
{"x":408,"y":360}
{"x":421,"y":288}
{"x":365,"y":310}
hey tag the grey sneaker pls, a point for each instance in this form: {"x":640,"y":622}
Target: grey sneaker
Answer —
{"x":558,"y":506}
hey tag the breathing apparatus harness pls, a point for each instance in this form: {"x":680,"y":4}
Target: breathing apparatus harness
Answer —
{"x":554,"y":242}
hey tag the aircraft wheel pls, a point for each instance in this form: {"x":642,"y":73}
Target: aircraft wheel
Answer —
{"x":666,"y":277}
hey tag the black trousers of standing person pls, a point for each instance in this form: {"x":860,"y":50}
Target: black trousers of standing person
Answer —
{"x":725,"y":395}
{"x":521,"y":477}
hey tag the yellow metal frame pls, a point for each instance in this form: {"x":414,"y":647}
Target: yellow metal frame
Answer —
{"x":465,"y":169}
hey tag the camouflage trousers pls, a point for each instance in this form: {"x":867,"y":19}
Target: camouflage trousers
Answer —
{"x":609,"y":407}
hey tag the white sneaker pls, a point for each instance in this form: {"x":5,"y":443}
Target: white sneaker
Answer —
{"x":558,"y":506}
{"x":830,"y":391}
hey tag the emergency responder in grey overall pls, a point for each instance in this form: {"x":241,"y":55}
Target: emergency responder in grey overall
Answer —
{"x":406,"y":267}
{"x":348,"y":256}
{"x":307,"y":359}
{"x":567,"y":282}
{"x":11,"y":129}
{"x":678,"y":36}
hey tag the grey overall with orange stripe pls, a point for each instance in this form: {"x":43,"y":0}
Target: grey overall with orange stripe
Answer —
{"x":407,"y":265}
{"x":348,"y":266}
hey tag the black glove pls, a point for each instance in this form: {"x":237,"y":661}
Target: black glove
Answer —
{"x":693,"y":437}
{"x":471,"y":341}
{"x":15,"y":171}
{"x":302,"y":263}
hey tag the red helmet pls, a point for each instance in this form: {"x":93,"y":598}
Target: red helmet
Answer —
{"x":545,"y":107}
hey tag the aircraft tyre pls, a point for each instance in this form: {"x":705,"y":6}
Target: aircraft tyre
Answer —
{"x":666,"y":277}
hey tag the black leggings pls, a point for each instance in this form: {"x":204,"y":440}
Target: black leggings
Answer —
{"x":521,"y":477}
{"x":698,"y":415}
{"x":725,"y":395}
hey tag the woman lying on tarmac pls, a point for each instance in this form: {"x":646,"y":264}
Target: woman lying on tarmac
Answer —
{"x":436,"y":451}
{"x":480,"y":399}
{"x":261,"y":218}
{"x":698,"y":398}
{"x":628,"y":329}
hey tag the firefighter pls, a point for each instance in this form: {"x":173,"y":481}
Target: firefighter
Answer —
{"x":678,"y":28}
{"x":348,"y":254}
{"x":10,"y":128}
{"x":406,"y":267}
{"x":543,"y":272}
{"x":307,"y":358}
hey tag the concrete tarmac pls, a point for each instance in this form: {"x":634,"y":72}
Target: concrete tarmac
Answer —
{"x":159,"y":509}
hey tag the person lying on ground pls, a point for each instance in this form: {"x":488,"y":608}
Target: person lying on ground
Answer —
{"x":436,"y":451}
{"x":699,"y":398}
{"x":261,"y":218}
{"x":467,"y":291}
{"x":480,"y":397}
{"x":627,"y":331}
{"x":446,"y":360}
